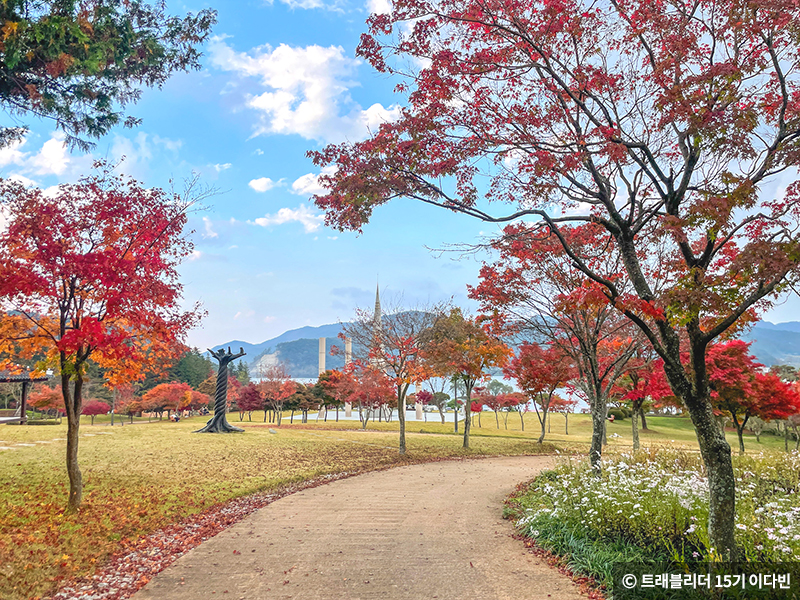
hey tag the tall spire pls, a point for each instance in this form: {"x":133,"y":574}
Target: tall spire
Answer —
{"x":377,"y":316}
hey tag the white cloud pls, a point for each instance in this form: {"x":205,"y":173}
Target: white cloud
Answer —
{"x":269,"y":319}
{"x":209,"y":232}
{"x":140,"y":151}
{"x":379,"y":6}
{"x":308,"y":184}
{"x":196,"y":254}
{"x":258,"y":152}
{"x":246,"y":314}
{"x":264,"y":184}
{"x":220,"y":168}
{"x":51,"y":159}
{"x":307,"y":91}
{"x":302,"y":214}
{"x":23,"y":180}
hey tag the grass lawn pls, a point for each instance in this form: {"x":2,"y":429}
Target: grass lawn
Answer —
{"x":139,"y":478}
{"x":675,"y":432}
{"x":142,"y":477}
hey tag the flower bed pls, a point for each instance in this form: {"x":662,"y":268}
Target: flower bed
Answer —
{"x":654,"y":506}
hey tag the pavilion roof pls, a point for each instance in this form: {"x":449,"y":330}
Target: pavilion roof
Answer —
{"x":19,"y":376}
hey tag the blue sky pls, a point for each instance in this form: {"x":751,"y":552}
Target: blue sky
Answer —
{"x":278,"y":79}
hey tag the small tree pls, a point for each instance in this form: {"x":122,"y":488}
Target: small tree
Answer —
{"x":564,"y":406}
{"x":340,"y":386}
{"x":47,"y":399}
{"x":248,"y":400}
{"x":94,"y":408}
{"x":742,"y":392}
{"x":90,"y":272}
{"x":459,"y":347}
{"x":393,"y":344}
{"x":539,"y":372}
{"x":374,"y":391}
{"x":276,"y":387}
{"x":168,"y":396}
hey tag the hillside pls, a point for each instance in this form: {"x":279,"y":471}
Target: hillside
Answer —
{"x":773,"y":344}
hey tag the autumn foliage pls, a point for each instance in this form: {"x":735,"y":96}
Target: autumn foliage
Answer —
{"x":90,"y":272}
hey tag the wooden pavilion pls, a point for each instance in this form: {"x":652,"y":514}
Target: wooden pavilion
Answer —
{"x":24,"y":377}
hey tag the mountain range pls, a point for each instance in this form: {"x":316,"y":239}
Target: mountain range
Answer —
{"x":298,"y":349}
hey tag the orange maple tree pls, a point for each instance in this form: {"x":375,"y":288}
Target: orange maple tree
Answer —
{"x":89,"y":272}
{"x":459,"y":347}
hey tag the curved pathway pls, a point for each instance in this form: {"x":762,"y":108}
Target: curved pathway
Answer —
{"x":418,"y":532}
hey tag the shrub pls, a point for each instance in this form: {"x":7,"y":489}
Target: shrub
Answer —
{"x":619,"y":413}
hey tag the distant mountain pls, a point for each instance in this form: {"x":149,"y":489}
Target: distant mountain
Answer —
{"x":298,"y":349}
{"x":775,"y":344}
{"x":793,"y":326}
{"x":257,"y":351}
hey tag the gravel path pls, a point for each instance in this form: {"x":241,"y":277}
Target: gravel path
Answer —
{"x":418,"y":532}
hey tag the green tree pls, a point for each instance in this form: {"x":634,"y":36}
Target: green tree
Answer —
{"x":192,"y":368}
{"x":78,"y":63}
{"x":241,"y":372}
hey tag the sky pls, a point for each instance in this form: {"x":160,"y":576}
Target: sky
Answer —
{"x":278,"y":79}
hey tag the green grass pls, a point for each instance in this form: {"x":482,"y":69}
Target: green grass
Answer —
{"x":669,"y":432}
{"x":150,"y":474}
{"x":145,"y":476}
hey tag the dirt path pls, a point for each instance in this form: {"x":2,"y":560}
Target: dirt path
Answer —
{"x":419,"y":532}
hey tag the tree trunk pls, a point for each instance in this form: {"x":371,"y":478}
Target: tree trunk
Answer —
{"x":716,"y":453}
{"x":566,"y":423}
{"x":467,"y":410}
{"x":73,"y":405}
{"x":522,"y":420}
{"x":544,"y":422}
{"x":598,"y":433}
{"x":401,"y":417}
{"x":635,"y":429}
{"x":786,"y":436}
{"x":441,"y":414}
{"x":496,"y":418}
{"x":74,"y":472}
{"x":740,"y":433}
{"x":644,"y":420}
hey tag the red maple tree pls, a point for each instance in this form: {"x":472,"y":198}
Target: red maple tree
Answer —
{"x":249,"y":399}
{"x":661,"y":122}
{"x":94,"y":408}
{"x":533,"y":290}
{"x":90,"y":272}
{"x":539,"y":372}
{"x":275,"y":386}
{"x":741,"y":391}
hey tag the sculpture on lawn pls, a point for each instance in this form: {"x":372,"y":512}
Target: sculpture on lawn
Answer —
{"x":218,"y":423}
